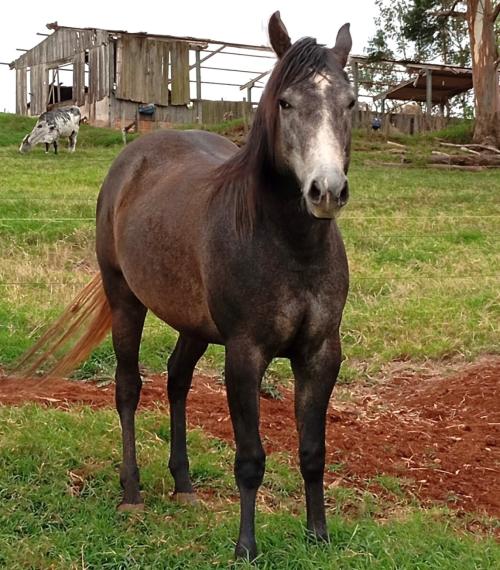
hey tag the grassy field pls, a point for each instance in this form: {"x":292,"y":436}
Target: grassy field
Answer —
{"x":59,"y":491}
{"x":423,"y":246}
{"x":424,"y":257}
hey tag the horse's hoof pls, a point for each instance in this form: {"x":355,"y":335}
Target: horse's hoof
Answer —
{"x":318,"y":536}
{"x":185,"y":498}
{"x":242,"y":552}
{"x":130,"y":507}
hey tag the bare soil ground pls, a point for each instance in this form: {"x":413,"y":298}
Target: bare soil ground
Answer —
{"x":440,"y":435}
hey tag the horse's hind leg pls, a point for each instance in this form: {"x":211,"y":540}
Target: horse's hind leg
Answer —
{"x":181,"y":365}
{"x":128,"y":315}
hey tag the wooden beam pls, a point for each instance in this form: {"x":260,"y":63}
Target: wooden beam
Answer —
{"x":198,"y":75}
{"x":225,"y":83}
{"x":428,"y":75}
{"x":58,"y":86}
{"x":355,"y":76}
{"x":225,"y":52}
{"x":230,"y":69}
{"x":211,"y":54}
{"x":254,"y":80}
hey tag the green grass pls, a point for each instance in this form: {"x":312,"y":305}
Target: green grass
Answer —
{"x":459,"y":132}
{"x":423,"y":247}
{"x":423,"y":251}
{"x":59,"y":488}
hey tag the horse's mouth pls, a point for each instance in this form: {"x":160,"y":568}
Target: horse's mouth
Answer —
{"x":326,"y":205}
{"x":323,"y":213}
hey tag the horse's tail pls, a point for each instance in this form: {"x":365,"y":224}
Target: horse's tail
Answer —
{"x":81,"y":328}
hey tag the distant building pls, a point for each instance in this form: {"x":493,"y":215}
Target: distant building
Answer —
{"x":120,"y":77}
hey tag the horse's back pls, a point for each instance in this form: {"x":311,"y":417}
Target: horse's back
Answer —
{"x":155,"y":154}
{"x":159,"y":169}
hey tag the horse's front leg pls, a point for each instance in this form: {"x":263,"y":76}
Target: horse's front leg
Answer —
{"x":315,"y":376}
{"x":245,"y":366}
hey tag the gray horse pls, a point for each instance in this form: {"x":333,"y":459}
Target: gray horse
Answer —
{"x":237,"y":247}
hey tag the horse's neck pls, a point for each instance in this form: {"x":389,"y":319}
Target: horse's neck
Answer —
{"x":283,"y":209}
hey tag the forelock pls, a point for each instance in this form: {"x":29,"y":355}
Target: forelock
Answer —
{"x":304,"y":59}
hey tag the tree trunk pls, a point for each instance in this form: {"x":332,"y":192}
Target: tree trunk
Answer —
{"x":480,"y":19}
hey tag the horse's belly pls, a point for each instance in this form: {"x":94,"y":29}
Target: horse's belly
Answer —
{"x":178,"y":302}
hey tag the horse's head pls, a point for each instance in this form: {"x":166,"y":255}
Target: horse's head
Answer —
{"x":308,"y":104}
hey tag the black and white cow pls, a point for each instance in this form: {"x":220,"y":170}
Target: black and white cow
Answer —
{"x":51,"y":125}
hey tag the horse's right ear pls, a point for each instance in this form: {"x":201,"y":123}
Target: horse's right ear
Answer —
{"x":278,"y":35}
{"x":343,"y":45}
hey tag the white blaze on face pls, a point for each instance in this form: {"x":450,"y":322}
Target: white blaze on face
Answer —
{"x":324,"y":151}
{"x":326,"y":145}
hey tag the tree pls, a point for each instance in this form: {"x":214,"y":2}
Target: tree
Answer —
{"x":481,"y":19}
{"x":406,"y":31}
{"x":438,"y":28}
{"x":416,"y":32}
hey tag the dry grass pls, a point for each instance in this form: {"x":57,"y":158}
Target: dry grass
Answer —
{"x":422,"y":246}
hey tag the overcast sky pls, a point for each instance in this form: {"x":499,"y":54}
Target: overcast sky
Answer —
{"x":227,"y":20}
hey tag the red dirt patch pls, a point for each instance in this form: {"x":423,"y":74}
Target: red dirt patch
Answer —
{"x":440,"y":434}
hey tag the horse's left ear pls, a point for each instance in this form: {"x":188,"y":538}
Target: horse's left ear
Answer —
{"x":343,"y":45}
{"x":278,"y":35}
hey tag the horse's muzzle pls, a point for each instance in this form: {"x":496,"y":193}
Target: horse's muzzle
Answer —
{"x":324,"y":201}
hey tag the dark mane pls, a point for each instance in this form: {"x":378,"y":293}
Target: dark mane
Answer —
{"x":243,"y":176}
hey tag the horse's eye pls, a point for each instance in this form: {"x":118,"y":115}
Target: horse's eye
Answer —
{"x":352,"y":103}
{"x":284,"y":104}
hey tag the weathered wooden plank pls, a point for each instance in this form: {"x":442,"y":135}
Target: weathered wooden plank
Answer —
{"x":160,"y":96}
{"x":61,"y":47}
{"x":21,"y":92}
{"x":157,"y":72}
{"x":142,"y":70}
{"x":213,"y":111}
{"x":39,"y":89}
{"x":93,"y":71}
{"x":165,"y":72}
{"x":103,"y":75}
{"x":99,"y":72}
{"x":119,"y":68}
{"x":180,"y":73}
{"x":79,"y":78}
{"x":125,"y":55}
{"x":151,"y":68}
{"x":111,"y":80}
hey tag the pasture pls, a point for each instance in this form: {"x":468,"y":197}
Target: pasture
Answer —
{"x":423,"y":249}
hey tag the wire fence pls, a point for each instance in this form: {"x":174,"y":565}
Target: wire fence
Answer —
{"x":353,"y":277}
{"x":341,"y":219}
{"x":463,"y":233}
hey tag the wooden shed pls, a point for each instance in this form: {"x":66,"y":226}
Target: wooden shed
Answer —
{"x":120,"y":77}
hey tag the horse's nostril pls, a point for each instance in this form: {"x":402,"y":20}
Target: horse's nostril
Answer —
{"x":314,"y":193}
{"x":344,"y":195}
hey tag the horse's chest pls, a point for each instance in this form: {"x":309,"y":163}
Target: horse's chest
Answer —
{"x":293,"y":315}
{"x":309,"y":314}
